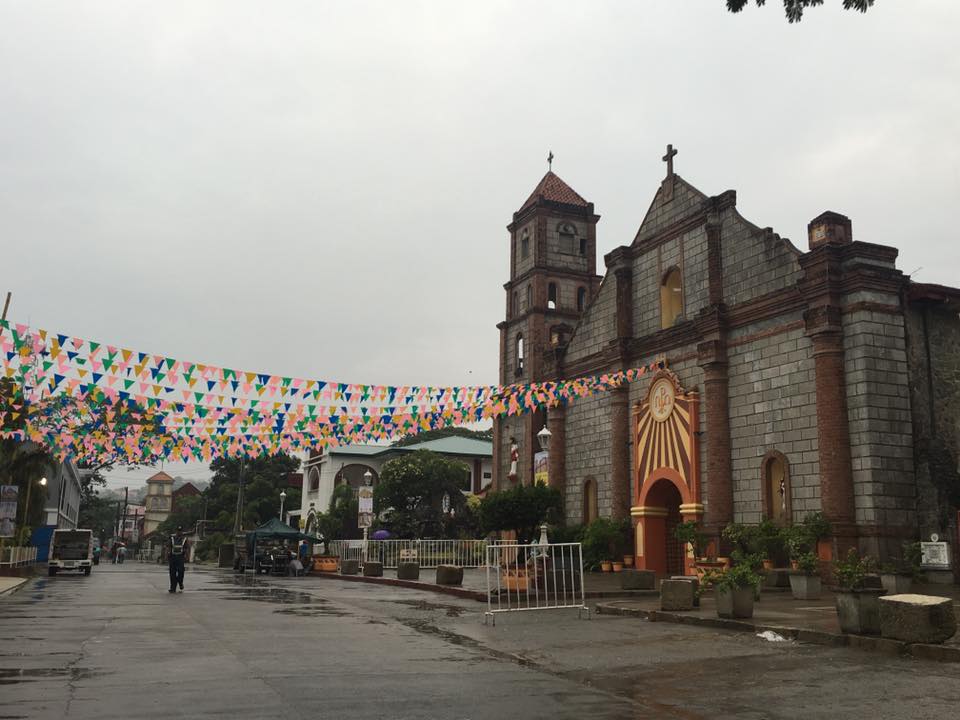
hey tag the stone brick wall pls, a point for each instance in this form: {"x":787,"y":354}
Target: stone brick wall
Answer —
{"x":569,"y":261}
{"x":687,"y":252}
{"x":588,"y":454}
{"x":667,"y":209}
{"x":512,"y":426}
{"x":773,"y":407}
{"x":755,"y":261}
{"x":522,"y":264}
{"x":597,"y":325}
{"x":933,"y":351}
{"x":878,"y":407}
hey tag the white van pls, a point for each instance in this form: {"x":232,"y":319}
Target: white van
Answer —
{"x":71,"y":550}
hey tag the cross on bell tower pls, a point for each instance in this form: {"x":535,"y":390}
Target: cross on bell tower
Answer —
{"x":550,"y":161}
{"x":668,"y":159}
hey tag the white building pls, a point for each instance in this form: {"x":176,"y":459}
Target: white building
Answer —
{"x":62,"y":506}
{"x":347,"y":464}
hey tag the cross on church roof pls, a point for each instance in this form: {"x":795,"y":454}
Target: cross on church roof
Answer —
{"x":550,"y":161}
{"x":668,"y":158}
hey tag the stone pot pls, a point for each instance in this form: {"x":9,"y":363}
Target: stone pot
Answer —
{"x":859,"y":610}
{"x":805,"y":587}
{"x":895,"y":583}
{"x":628,"y":561}
{"x":735,"y":603}
{"x":606,"y":566}
{"x":618,"y":567}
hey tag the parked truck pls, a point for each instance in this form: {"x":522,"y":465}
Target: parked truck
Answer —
{"x":71,"y":550}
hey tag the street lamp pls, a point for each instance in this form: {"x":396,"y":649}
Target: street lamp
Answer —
{"x":283,"y":496}
{"x":368,"y":477}
{"x":544,"y":438}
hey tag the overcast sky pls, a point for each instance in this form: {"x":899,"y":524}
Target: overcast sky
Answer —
{"x":320,"y":189}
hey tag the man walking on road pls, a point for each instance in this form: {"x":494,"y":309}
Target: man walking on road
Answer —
{"x":177,"y":552}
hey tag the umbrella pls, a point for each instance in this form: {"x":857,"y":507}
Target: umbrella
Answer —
{"x":381,"y":535}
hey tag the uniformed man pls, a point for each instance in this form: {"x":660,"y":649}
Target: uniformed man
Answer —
{"x":177,"y":548}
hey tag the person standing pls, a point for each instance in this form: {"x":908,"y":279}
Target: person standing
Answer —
{"x":177,"y":548}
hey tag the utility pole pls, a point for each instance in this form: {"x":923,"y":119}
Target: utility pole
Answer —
{"x":123,"y":527}
{"x":238,"y":522}
{"x":6,"y":305}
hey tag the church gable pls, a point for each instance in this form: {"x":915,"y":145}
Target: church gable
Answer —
{"x":675,"y":201}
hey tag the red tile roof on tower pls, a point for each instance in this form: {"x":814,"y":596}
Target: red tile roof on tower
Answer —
{"x":160,"y":477}
{"x":553,"y":189}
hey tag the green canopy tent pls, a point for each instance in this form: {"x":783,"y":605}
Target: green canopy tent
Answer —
{"x":276,"y":529}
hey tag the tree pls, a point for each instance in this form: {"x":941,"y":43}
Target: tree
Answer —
{"x":418,"y":491}
{"x":521,"y":509}
{"x":263,"y":480}
{"x":188,"y":511}
{"x":794,"y":8}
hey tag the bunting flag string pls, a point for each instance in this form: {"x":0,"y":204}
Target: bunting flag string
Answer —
{"x":88,"y":400}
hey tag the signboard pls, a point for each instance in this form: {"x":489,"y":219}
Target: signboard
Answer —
{"x":541,"y":464}
{"x":408,"y":554}
{"x":935,"y":556}
{"x":365,"y":507}
{"x":8,"y":509}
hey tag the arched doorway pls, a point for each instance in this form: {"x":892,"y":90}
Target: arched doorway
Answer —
{"x":664,"y":553}
{"x":352,"y":475}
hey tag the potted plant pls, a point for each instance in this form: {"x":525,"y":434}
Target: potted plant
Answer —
{"x":770,"y":538}
{"x":805,"y":581}
{"x":817,"y":528}
{"x":734,"y":590}
{"x":858,"y":607}
{"x":602,"y":542}
{"x":690,"y":535}
{"x":897,"y":576}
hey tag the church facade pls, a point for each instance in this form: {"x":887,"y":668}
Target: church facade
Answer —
{"x":785,"y":381}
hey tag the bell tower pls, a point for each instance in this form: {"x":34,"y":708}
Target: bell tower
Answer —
{"x":553,"y":260}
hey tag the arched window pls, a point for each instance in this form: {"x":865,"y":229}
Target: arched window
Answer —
{"x":552,"y":296}
{"x":775,"y":473}
{"x":589,"y":501}
{"x":314,"y":479}
{"x":520,"y":354}
{"x":581,"y":298}
{"x":671,"y":298}
{"x":568,"y":238}
{"x":525,"y":245}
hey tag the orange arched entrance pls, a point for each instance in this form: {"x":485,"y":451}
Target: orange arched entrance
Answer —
{"x":668,"y":492}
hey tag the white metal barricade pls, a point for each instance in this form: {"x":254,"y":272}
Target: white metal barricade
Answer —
{"x":534,"y":577}
{"x":429,"y":553}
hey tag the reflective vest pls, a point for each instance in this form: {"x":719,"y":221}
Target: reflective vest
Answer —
{"x":176,"y":547}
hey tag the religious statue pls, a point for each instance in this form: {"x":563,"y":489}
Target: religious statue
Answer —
{"x":514,"y":459}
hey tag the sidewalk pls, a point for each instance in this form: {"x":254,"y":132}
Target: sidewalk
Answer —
{"x":10,"y":584}
{"x":805,"y":620}
{"x":596,"y":585}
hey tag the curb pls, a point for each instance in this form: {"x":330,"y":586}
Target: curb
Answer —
{"x":477,"y":595}
{"x":885,"y":646}
{"x":13,"y":588}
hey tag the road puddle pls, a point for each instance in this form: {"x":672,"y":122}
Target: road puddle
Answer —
{"x":13,"y":676}
{"x":451,"y":610}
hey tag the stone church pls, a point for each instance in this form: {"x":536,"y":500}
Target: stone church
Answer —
{"x":789,"y":381}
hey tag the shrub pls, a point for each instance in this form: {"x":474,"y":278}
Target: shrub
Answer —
{"x":851,"y":572}
{"x":689,"y":533}
{"x":521,"y":509}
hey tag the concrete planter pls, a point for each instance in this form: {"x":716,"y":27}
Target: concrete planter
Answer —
{"x":408,"y":571}
{"x":449,"y":575}
{"x":735,"y":603}
{"x":859,"y":610}
{"x":805,"y":587}
{"x":349,"y":567}
{"x":372,"y":569}
{"x":896,"y":584}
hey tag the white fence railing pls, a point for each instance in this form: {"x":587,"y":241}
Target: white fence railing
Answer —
{"x":429,"y":553}
{"x":534,"y":577}
{"x":17,"y":556}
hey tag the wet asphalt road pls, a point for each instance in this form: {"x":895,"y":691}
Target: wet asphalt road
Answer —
{"x":117,"y":645}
